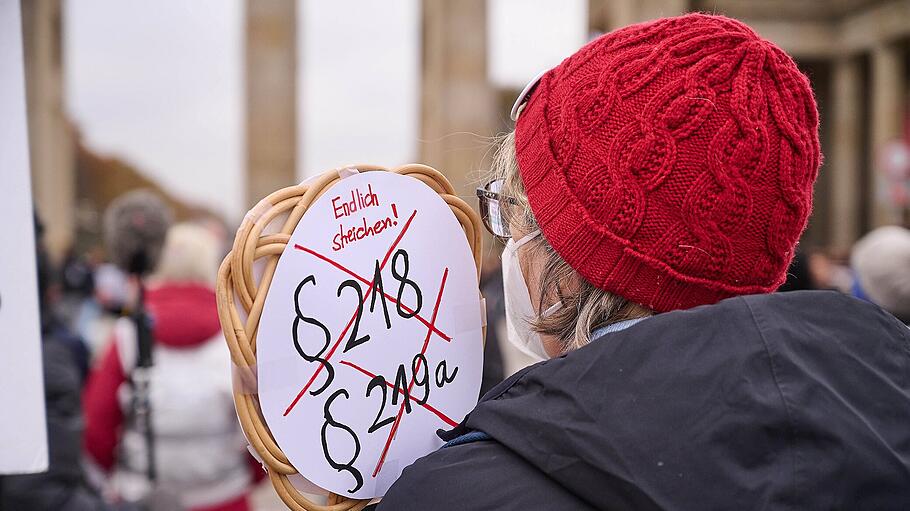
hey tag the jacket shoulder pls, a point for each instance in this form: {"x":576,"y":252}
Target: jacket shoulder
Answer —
{"x":476,"y":475}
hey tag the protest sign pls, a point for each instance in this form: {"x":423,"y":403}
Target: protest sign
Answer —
{"x":370,"y":337}
{"x":23,"y":448}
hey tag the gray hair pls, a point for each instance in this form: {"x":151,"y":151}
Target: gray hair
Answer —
{"x":585,"y":307}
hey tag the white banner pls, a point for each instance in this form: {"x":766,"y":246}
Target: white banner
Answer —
{"x":370,"y":339}
{"x":23,"y":436}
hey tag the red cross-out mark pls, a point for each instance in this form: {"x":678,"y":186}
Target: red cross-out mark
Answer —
{"x":423,"y":350}
{"x":369,"y":284}
{"x":427,"y":406}
{"x":366,"y":295}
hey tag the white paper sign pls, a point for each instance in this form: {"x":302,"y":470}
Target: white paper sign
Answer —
{"x":355,"y":378}
{"x":23,"y":438}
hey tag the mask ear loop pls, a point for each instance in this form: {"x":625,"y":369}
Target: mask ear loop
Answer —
{"x":551,"y":309}
{"x":526,"y":238}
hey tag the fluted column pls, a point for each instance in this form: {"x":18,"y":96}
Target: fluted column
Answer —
{"x":458,"y":104}
{"x":271,"y":96}
{"x":50,"y":137}
{"x":844,"y":159}
{"x":606,"y":15}
{"x":886,"y":100}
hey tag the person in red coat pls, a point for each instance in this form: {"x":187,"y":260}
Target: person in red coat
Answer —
{"x":200,"y":451}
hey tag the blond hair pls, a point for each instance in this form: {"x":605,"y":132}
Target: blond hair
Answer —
{"x":585,"y":307}
{"x":190,"y":254}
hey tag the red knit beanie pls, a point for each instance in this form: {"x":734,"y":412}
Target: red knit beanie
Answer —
{"x":672,"y":162}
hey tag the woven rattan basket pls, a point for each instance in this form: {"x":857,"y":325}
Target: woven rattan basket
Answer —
{"x":261,"y":239}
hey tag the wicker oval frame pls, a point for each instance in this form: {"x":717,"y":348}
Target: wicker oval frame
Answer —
{"x":237,"y":286}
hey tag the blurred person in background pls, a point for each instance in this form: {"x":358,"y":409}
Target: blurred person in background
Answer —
{"x":201,"y":456}
{"x":219,"y":229}
{"x":651,"y":198}
{"x":77,"y":279}
{"x":881,"y":263}
{"x":51,"y":295}
{"x":64,"y":487}
{"x":829,"y":271}
{"x":494,"y":310}
{"x":111,"y":291}
{"x":816,"y":269}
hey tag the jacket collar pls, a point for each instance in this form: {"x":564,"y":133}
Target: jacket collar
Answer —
{"x":614,"y":327}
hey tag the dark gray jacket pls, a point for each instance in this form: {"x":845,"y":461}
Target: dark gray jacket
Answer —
{"x":63,"y":487}
{"x":790,"y":401}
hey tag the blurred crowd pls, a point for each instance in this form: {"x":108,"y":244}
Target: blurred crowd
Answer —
{"x":97,"y":440}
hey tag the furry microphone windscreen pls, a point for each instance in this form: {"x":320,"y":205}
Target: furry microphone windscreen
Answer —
{"x":135,"y":225}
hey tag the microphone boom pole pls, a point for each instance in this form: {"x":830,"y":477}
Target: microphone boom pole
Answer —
{"x":135,"y":226}
{"x":141,"y":377}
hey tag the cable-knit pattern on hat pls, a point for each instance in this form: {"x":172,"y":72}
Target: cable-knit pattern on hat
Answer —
{"x":672,"y":162}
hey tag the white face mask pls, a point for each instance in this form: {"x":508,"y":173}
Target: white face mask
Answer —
{"x":519,"y":311}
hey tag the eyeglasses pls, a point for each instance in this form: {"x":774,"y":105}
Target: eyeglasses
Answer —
{"x":491,"y":208}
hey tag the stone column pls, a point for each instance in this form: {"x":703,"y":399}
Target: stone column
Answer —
{"x":50,"y":136}
{"x":271,"y":96}
{"x":606,"y":15}
{"x":886,"y":99}
{"x":458,"y":104}
{"x":600,"y":19}
{"x":844,"y":158}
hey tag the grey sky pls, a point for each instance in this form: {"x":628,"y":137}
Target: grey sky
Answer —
{"x":160,"y":83}
{"x":358,"y":83}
